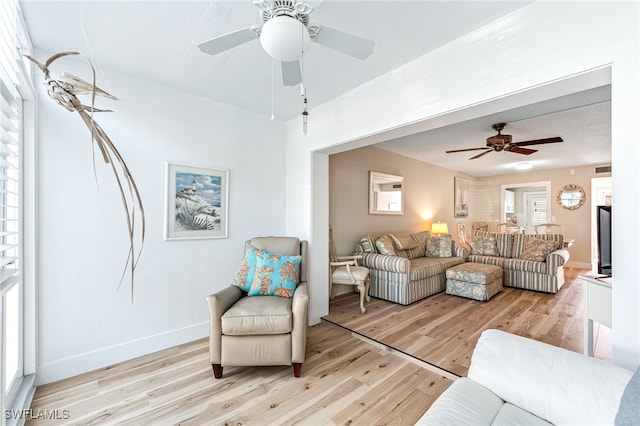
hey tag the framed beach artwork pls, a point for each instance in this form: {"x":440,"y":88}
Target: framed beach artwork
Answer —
{"x":461,"y":197}
{"x":197,"y":202}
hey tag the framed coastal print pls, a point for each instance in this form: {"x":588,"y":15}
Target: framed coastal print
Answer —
{"x":461,"y":197}
{"x":197,"y":202}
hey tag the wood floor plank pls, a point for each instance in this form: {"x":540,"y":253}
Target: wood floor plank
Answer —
{"x":176,"y":386}
{"x":443,"y":329}
{"x":345,"y":380}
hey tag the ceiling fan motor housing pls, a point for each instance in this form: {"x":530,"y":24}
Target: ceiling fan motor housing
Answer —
{"x":498,"y":142}
{"x":292,"y":8}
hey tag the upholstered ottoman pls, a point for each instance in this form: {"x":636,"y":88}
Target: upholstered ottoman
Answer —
{"x":474,"y":280}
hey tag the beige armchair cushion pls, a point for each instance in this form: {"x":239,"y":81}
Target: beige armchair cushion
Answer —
{"x":258,"y":315}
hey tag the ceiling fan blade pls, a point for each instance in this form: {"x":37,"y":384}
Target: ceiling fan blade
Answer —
{"x":350,"y":44}
{"x":518,"y":150}
{"x":228,"y":41}
{"x":539,"y":141}
{"x":464,"y":150}
{"x":291,"y":74}
{"x":481,"y":154}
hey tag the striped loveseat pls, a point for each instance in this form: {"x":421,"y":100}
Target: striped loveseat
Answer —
{"x":406,"y":276}
{"x":541,"y":275}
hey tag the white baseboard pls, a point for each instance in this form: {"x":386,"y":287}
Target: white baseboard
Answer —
{"x":100,"y":358}
{"x":578,"y":265}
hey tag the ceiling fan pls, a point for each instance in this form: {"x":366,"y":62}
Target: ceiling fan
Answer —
{"x":502,"y":142}
{"x":285,"y":34}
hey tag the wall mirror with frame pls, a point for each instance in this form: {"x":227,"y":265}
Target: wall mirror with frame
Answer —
{"x":571,"y":197}
{"x":386,"y":193}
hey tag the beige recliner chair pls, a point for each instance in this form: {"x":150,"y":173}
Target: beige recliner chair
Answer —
{"x":261,"y":330}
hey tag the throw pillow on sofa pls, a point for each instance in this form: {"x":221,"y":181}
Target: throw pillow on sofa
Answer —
{"x":484,"y":246}
{"x":403,"y":241}
{"x":537,"y":250}
{"x":438,"y":246}
{"x":367,"y":245}
{"x":384,"y":244}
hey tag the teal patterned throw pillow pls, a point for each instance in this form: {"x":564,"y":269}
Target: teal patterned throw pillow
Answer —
{"x":244,"y":276}
{"x":275,"y":275}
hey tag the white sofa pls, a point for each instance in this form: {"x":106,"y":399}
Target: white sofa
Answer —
{"x":519,"y":381}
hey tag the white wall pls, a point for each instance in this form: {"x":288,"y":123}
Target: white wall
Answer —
{"x":84,"y":321}
{"x":539,"y":44}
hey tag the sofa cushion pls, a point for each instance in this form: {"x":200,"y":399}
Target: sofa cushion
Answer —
{"x":463,"y":403}
{"x":525,"y":265}
{"x":275,"y":274}
{"x":384,"y":245}
{"x":488,"y":260}
{"x":403,"y":240}
{"x":438,"y":246}
{"x":421,"y":237}
{"x":484,"y":245}
{"x":509,"y":414}
{"x":504,"y":241}
{"x":519,"y":241}
{"x":537,"y":250}
{"x":258,"y":315}
{"x":424,"y":267}
{"x":246,"y":272}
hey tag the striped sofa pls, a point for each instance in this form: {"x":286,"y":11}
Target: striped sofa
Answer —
{"x":546,"y":276}
{"x":408,"y":276}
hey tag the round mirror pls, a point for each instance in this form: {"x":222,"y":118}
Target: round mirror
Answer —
{"x":571,"y":197}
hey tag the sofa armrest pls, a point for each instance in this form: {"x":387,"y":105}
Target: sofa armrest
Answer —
{"x":463,"y":252}
{"x":557,"y":258}
{"x":386,"y":262}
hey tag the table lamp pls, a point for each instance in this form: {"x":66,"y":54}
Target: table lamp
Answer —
{"x":439,"y":228}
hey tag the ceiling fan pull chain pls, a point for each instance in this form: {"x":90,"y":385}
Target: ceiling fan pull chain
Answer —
{"x":273,"y":88}
{"x":305,"y":115}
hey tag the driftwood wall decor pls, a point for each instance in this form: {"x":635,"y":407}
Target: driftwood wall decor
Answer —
{"x":65,"y":91}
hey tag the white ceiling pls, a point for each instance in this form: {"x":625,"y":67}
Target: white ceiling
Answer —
{"x":156,"y":41}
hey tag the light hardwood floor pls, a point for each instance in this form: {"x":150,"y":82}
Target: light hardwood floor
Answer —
{"x":443,"y":329}
{"x":344,"y":381}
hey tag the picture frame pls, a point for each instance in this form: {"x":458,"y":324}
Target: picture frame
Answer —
{"x":460,"y":197}
{"x":197,"y":202}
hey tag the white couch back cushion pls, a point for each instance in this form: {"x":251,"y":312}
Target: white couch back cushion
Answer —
{"x":558,"y":385}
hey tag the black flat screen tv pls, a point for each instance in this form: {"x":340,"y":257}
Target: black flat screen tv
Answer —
{"x":603,"y":221}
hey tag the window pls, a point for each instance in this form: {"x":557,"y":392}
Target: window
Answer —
{"x":14,"y":83}
{"x":537,"y":208}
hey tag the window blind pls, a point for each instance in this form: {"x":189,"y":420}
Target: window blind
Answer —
{"x":11,"y":125}
{"x":539,"y":210}
{"x":9,"y":183}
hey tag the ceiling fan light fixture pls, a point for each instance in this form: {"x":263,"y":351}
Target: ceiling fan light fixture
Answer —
{"x":524,"y":166}
{"x":285,"y":38}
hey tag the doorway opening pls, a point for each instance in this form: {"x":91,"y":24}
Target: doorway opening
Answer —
{"x":526,"y":204}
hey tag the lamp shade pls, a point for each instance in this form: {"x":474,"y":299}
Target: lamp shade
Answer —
{"x":285,"y":38}
{"x":439,"y":228}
